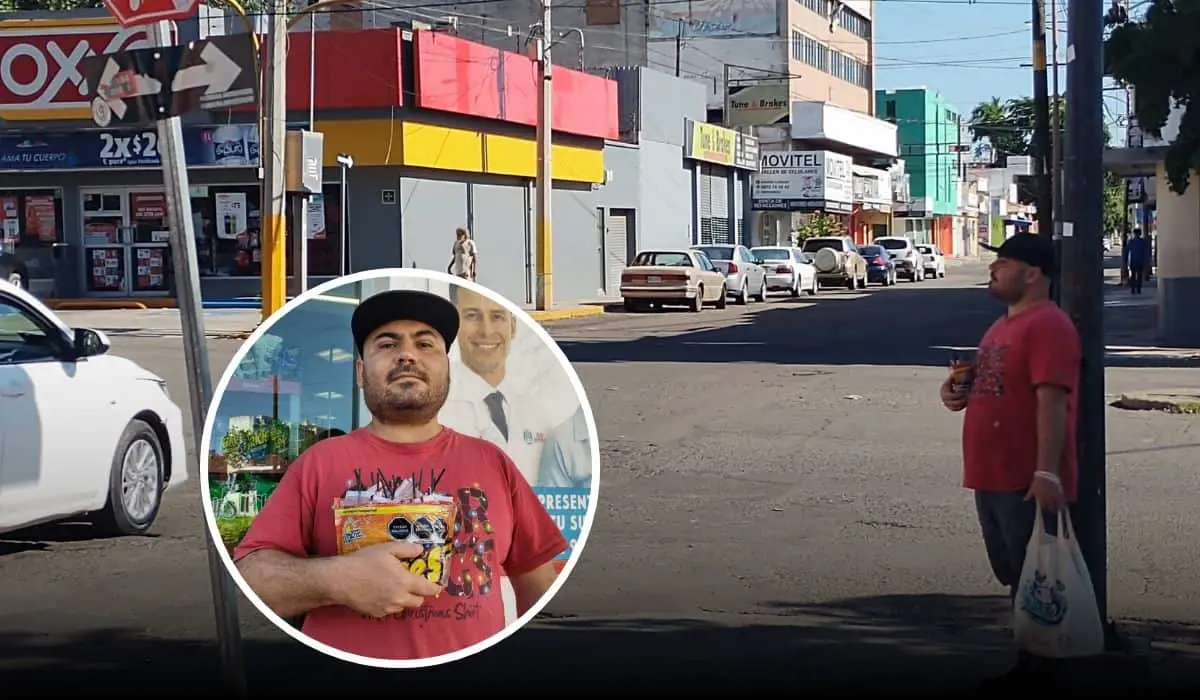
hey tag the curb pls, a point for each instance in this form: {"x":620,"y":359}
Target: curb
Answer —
{"x":96,"y":305}
{"x":564,"y":314}
{"x":1181,"y":404}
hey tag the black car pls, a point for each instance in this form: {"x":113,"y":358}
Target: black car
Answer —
{"x":881,"y":269}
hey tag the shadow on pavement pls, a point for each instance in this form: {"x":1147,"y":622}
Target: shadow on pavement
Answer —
{"x":906,"y":325}
{"x":918,"y":643}
{"x":41,"y":537}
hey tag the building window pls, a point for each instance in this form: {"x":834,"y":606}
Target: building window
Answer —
{"x":854,"y":23}
{"x":889,"y":110}
{"x":32,"y":218}
{"x":843,"y":66}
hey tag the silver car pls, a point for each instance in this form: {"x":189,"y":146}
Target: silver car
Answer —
{"x":745,"y":277}
{"x":788,"y":269}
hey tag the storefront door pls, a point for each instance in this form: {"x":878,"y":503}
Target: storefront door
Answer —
{"x":125,"y":243}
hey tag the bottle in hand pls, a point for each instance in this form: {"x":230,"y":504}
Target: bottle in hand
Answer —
{"x":962,"y":369}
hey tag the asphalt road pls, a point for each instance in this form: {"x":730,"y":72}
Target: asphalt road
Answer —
{"x":780,"y":507}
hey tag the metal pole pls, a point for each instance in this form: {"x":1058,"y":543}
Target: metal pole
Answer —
{"x":273,"y":236}
{"x":678,"y":48}
{"x":342,"y":216}
{"x":1083,"y":287}
{"x":1041,"y":129}
{"x":545,"y":178}
{"x":1055,"y":116}
{"x":298,"y":282}
{"x":191,"y":318}
{"x":312,"y":70}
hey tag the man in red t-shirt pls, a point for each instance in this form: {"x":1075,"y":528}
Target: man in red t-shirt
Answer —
{"x":366,"y":602}
{"x":1019,"y":429}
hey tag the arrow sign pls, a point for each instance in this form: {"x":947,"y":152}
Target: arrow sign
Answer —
{"x":216,"y":74}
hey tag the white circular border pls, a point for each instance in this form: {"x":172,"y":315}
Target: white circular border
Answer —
{"x":227,"y":560}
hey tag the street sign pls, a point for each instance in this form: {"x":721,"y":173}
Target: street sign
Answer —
{"x":144,"y":85}
{"x":136,"y":13}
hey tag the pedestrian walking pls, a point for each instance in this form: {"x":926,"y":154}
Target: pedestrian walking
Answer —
{"x":464,"y":256}
{"x":1138,"y":260}
{"x":1018,"y":436}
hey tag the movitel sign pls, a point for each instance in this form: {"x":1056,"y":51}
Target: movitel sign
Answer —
{"x":40,"y":77}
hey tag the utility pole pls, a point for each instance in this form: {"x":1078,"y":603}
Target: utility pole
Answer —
{"x":678,"y":48}
{"x":1041,"y":128}
{"x":544,"y":299}
{"x":1056,"y":117}
{"x":1083,"y":277}
{"x":273,"y":231}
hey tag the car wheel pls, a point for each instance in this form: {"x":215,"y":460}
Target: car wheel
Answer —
{"x":697,"y":302}
{"x":762,"y":291}
{"x":135,"y":482}
{"x":723,"y":300}
{"x":743,"y":297}
{"x":796,"y":288}
{"x":850,"y":283}
{"x":812,"y":290}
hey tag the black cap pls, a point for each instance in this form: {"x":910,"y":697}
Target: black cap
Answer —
{"x":433,"y":310}
{"x":1031,"y":249}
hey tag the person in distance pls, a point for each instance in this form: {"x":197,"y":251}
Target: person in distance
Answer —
{"x":367,"y":602}
{"x":1018,"y":436}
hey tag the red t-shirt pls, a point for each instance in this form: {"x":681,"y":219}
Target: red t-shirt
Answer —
{"x":1037,"y":346}
{"x":503,"y":521}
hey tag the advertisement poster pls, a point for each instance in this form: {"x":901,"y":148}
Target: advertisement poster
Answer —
{"x":12,"y":224}
{"x":107,"y":269}
{"x":231,"y":214}
{"x":224,"y":146}
{"x":316,"y":217}
{"x":150,"y":272}
{"x":148,"y":207}
{"x":710,"y":19}
{"x":99,"y":233}
{"x":41,"y":220}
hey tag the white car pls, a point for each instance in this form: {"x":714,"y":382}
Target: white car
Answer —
{"x":910,"y":263}
{"x":935,"y":260}
{"x":788,"y":269}
{"x":82,"y":432}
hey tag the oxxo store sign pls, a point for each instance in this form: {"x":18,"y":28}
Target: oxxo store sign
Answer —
{"x":40,"y":77}
{"x":715,"y":144}
{"x":804,"y":181}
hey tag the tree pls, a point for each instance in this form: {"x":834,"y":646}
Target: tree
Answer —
{"x":820,"y":225}
{"x":1158,"y":57}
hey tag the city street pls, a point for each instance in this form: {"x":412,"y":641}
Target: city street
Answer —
{"x":780,"y":506}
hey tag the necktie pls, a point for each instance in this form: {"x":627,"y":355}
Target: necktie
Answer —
{"x":495,"y":406}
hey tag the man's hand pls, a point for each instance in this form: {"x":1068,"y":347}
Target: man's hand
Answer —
{"x":954,"y":396}
{"x":374,"y":582}
{"x":1048,"y":493}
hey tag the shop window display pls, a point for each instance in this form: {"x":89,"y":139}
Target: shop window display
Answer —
{"x":283,"y":398}
{"x":228,"y":224}
{"x":31,"y":218}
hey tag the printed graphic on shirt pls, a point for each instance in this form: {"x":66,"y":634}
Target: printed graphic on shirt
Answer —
{"x":454,"y":530}
{"x":989,"y":371}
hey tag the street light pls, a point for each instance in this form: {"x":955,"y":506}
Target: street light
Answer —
{"x":346,"y":161}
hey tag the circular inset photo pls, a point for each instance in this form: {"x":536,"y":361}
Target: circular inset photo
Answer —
{"x":402,"y":466}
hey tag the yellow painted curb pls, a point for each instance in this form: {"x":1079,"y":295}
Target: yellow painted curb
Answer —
{"x":108,"y":304}
{"x":564,"y":314}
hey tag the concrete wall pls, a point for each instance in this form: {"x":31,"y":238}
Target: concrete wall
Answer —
{"x":1178,"y":263}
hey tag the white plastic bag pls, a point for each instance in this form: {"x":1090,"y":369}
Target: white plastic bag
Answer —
{"x":1056,"y":615}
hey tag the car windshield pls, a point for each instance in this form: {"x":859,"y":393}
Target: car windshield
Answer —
{"x":871,"y":250}
{"x":663,"y":259}
{"x":812,"y":245}
{"x":771,"y":253}
{"x":892,"y":243}
{"x":925,"y":249}
{"x":717,"y":252}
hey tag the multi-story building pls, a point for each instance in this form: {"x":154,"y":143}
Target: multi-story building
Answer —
{"x":930,"y":139}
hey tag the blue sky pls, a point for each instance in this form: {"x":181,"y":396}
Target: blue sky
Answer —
{"x":967,"y":52}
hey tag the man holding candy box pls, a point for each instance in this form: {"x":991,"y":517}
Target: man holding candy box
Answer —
{"x":1020,"y":400}
{"x":411,"y":586}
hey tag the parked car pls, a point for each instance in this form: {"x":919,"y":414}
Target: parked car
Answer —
{"x":837,"y":260}
{"x":909,"y":261}
{"x":881,"y":267}
{"x":672,"y":277}
{"x":935,"y":260}
{"x":745,"y":278}
{"x":82,"y":432}
{"x":788,"y":269}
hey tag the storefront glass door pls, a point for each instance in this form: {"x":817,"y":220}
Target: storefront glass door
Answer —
{"x":125,"y":243}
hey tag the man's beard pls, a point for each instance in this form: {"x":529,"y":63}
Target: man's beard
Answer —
{"x":405,"y":401}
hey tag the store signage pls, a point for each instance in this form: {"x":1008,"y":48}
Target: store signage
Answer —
{"x":803,"y":180}
{"x":745,"y":155}
{"x":710,"y":143}
{"x":226,"y":146}
{"x":41,"y":73}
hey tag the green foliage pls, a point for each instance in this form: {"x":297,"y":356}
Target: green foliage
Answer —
{"x":1158,"y":57}
{"x":245,"y":446}
{"x":820,"y":225}
{"x":1114,"y":202}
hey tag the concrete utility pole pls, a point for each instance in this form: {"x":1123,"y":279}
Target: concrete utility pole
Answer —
{"x":1055,"y":115}
{"x":1041,"y":124}
{"x":545,"y":177}
{"x":273,"y":233}
{"x":1083,"y":275}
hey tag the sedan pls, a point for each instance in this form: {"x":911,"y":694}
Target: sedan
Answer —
{"x":745,"y":278}
{"x":685,"y":277}
{"x":788,"y":269}
{"x":82,"y":432}
{"x":881,"y":267}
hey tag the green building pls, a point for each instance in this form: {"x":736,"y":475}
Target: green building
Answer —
{"x":928,"y":130}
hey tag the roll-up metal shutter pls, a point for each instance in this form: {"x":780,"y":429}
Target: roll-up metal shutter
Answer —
{"x":705,"y":204}
{"x":718,"y":178}
{"x":616,"y":234}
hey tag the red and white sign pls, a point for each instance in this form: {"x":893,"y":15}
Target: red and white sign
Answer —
{"x":138,"y":13}
{"x":40,"y":77}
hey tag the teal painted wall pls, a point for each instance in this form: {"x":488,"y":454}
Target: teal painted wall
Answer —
{"x":926,"y":129}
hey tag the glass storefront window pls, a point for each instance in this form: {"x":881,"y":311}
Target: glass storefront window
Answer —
{"x":31,"y":218}
{"x":228,"y":226}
